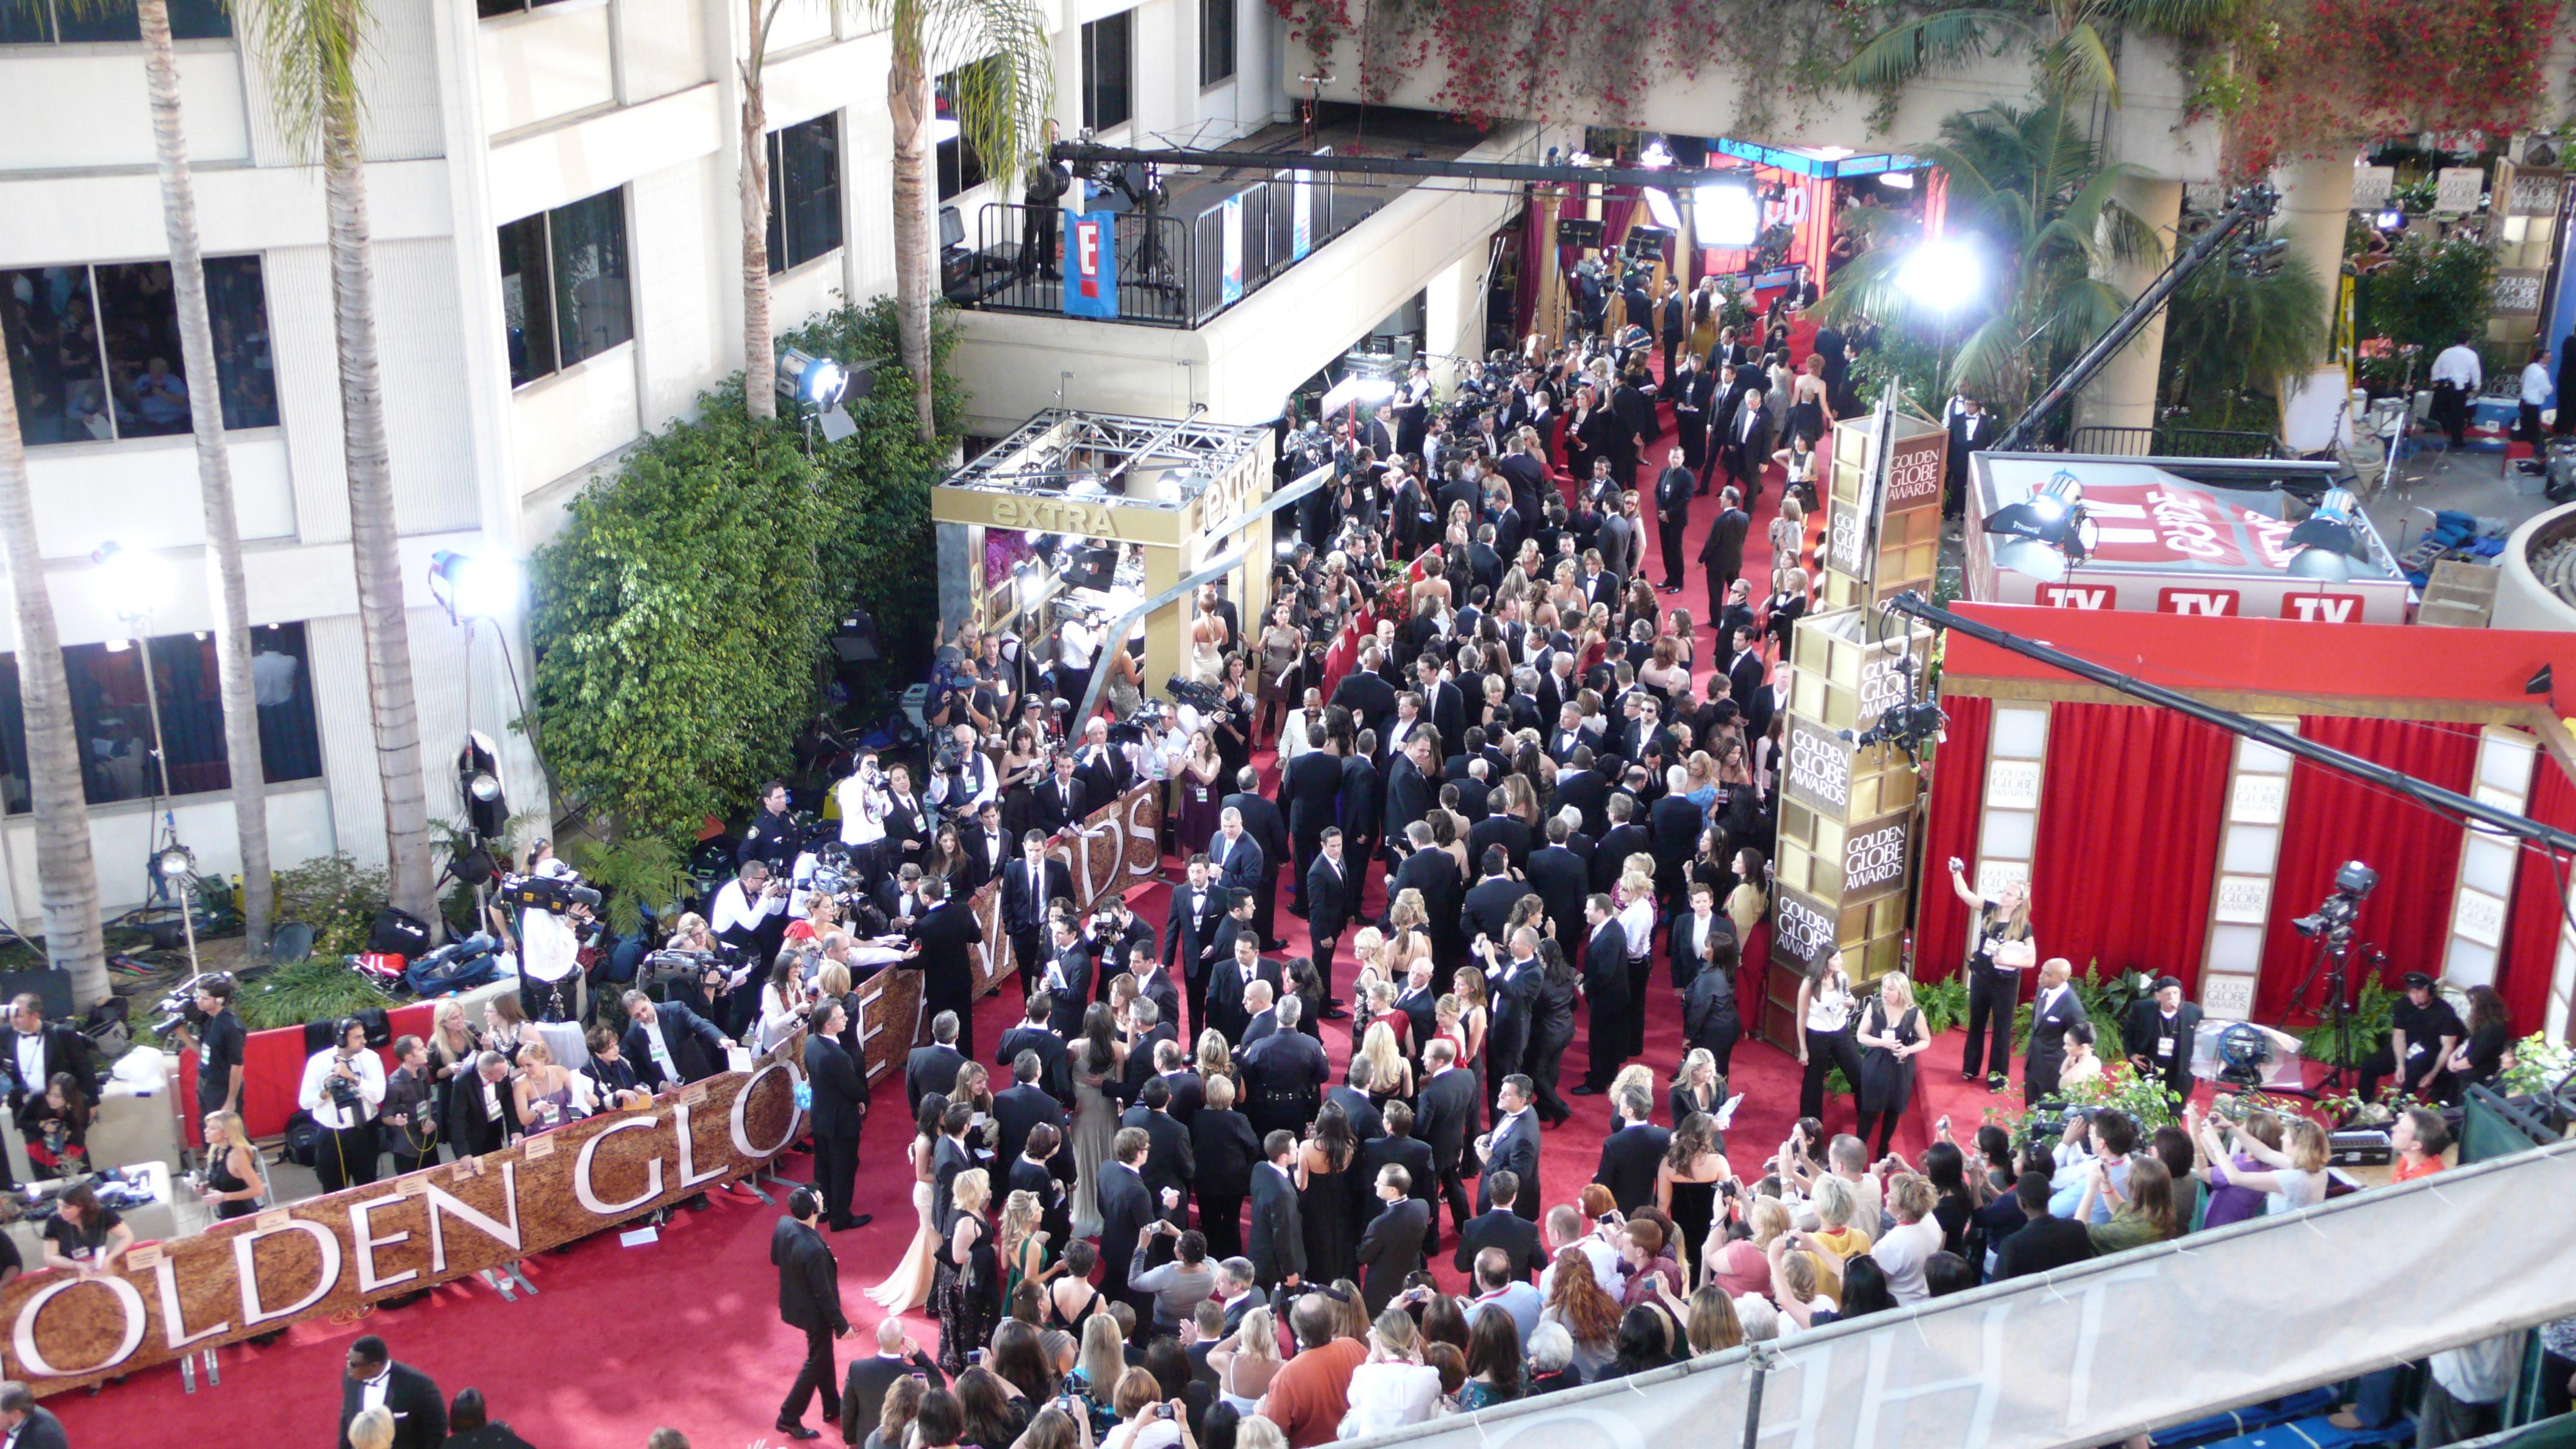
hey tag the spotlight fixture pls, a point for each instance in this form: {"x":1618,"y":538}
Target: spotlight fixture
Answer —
{"x":2049,"y":532}
{"x":1659,"y":205}
{"x":2390,"y":219}
{"x":1656,"y":153}
{"x":816,"y":382}
{"x":472,"y":586}
{"x":1725,"y":214}
{"x":2329,"y":539}
{"x":174,"y":862}
{"x":131,"y":581}
{"x":1899,"y":180}
{"x":1942,"y":274}
{"x":478,"y":785}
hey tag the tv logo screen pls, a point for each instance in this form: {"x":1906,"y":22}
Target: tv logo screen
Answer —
{"x":2322,"y":608}
{"x":2198,"y":601}
{"x":2079,"y":596}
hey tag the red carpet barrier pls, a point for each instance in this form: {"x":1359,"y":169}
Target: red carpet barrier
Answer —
{"x":335,"y":1254}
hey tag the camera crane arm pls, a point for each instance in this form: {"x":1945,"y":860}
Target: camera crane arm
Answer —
{"x":2249,"y":206}
{"x":2423,"y":792}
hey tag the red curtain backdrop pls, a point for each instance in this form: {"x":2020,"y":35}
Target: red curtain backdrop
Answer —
{"x":1958,"y":781}
{"x":2531,"y":937}
{"x":1618,"y":204}
{"x":2333,"y":818}
{"x":2128,"y":839}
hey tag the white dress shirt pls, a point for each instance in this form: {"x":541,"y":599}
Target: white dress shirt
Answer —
{"x":2535,"y":383}
{"x":737,"y":908}
{"x":2460,"y":364}
{"x":316,"y":1099}
{"x":862,"y":811}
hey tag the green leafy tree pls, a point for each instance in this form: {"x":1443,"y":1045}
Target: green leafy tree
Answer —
{"x":680,"y":618}
{"x":2429,"y":292}
{"x":2036,"y":195}
{"x":2230,"y":337}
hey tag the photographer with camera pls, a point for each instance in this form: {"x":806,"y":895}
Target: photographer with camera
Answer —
{"x":749,"y":914}
{"x":555,"y":920}
{"x":961,"y":778}
{"x":343,"y":1088}
{"x":864,"y":800}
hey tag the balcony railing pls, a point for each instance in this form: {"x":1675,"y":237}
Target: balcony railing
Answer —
{"x":1172,"y":267}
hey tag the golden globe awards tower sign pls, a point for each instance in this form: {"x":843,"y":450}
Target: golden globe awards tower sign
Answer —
{"x":1883,"y":525}
{"x":1847,"y":819}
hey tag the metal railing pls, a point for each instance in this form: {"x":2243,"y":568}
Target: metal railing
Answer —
{"x":2172,"y":442}
{"x":1172,"y":268}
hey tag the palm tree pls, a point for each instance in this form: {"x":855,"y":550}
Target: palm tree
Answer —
{"x":759,"y":363}
{"x":229,"y":590}
{"x":66,"y":876}
{"x":2073,"y":40}
{"x":2230,"y":335}
{"x":310,"y":49}
{"x":2034,"y":194}
{"x":1002,"y":93}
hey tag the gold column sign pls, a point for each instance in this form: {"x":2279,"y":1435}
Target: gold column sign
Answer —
{"x":1847,"y":815}
{"x":1883,"y":530}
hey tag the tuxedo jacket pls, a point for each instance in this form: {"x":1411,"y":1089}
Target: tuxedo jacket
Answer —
{"x":1514,"y":1149}
{"x":1277,"y":1240}
{"x":420,"y":1414}
{"x":1024,"y":900}
{"x":1629,"y":1158}
{"x":1192,"y":928}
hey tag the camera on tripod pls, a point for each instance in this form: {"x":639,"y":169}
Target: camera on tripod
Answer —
{"x":546,"y":893}
{"x":2334,"y":917}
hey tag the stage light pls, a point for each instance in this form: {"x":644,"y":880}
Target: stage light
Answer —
{"x":174,"y":862}
{"x":1724,"y":214}
{"x":2048,"y":532}
{"x":2329,"y":539}
{"x":1656,"y":153}
{"x":1901,"y":180}
{"x":132,"y":583}
{"x":1659,"y":205}
{"x":2390,"y":220}
{"x":470,"y":586}
{"x":1942,"y":274}
{"x":809,"y":381}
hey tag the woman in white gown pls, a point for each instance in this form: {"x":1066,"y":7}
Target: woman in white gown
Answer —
{"x":908,"y":1286}
{"x":1098,"y":1059}
{"x":1207,"y":640}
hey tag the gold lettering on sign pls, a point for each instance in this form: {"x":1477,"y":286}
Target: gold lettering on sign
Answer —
{"x":1055,"y":515}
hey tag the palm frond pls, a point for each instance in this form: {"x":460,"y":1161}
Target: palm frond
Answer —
{"x":1005,"y":95}
{"x":1991,"y":361}
{"x":2079,"y":63}
{"x":1908,"y":50}
{"x":2181,"y":18}
{"x":308,"y":51}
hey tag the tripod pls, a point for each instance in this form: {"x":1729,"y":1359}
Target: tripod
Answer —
{"x":2333,"y":951}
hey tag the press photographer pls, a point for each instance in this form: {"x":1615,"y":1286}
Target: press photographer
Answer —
{"x":961,"y":778}
{"x":557,"y":917}
{"x":343,"y":1088}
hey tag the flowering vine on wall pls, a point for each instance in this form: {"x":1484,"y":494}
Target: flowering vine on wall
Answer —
{"x":2320,"y":76}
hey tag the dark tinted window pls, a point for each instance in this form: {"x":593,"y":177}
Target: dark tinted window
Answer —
{"x":527,"y":317}
{"x":804,"y":192}
{"x":960,"y":169}
{"x":1216,"y":41}
{"x":564,"y":285}
{"x":1108,"y":51}
{"x":94,"y":351}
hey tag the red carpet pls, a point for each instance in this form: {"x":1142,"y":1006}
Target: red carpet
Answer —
{"x":685,"y":1332}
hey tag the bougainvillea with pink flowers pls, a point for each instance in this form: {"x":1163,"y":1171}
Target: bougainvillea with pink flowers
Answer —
{"x":2321,"y":76}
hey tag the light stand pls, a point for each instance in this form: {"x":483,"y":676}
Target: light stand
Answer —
{"x":171,"y":870}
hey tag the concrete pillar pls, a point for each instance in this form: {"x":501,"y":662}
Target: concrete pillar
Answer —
{"x":2123,"y":393}
{"x":2316,"y":201}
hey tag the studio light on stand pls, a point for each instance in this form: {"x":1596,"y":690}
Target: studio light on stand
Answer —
{"x":132,"y":585}
{"x":814,"y":389}
{"x":472,"y":586}
{"x":2329,"y":539}
{"x":2047,"y":533}
{"x":1942,"y":274}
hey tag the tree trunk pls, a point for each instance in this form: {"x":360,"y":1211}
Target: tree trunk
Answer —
{"x":759,"y":360}
{"x":67,"y":880}
{"x":374,"y":545}
{"x":229,"y":593}
{"x":916,"y":259}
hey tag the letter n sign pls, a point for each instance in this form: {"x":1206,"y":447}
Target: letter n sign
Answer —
{"x":1091,"y":264}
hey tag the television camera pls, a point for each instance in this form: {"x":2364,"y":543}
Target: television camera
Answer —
{"x":555,"y":894}
{"x":179,"y":1007}
{"x":2333,"y":917}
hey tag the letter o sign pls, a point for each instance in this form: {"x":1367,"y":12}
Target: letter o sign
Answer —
{"x":23,"y":1339}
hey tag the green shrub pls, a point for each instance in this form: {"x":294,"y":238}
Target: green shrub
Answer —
{"x":315,"y":990}
{"x":1944,"y":1003}
{"x":338,"y":898}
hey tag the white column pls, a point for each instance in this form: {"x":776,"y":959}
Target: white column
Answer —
{"x":2316,"y":197}
{"x":2249,"y":852}
{"x":2123,"y":393}
{"x":2008,"y":809}
{"x":2483,"y":893}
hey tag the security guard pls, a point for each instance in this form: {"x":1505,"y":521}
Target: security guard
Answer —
{"x":770,"y":839}
{"x":1284,"y":1075}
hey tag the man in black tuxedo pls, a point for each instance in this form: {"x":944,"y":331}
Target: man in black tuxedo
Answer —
{"x":482,"y":1115}
{"x":933,"y":1068}
{"x":1448,"y":1113}
{"x":809,"y":1300}
{"x":1102,"y":768}
{"x":1277,"y":1241}
{"x":1391,"y":1245}
{"x":1227,"y":1011}
{"x":1365,"y":693}
{"x":1396,"y":1146}
{"x":1585,"y":789}
{"x":1674,"y":489}
{"x":1418,"y":997}
{"x":1971,"y":431}
{"x":1512,"y":1147}
{"x":671,"y":1045}
{"x":1363,"y":810}
{"x":1745,"y":677}
{"x":1514,"y":1236}
{"x":1487,"y":909}
{"x":1443,"y":703}
{"x":1116,"y":934}
{"x":1409,"y":776}
{"x":2052,"y":1014}
{"x":1153,"y":984}
{"x":1500,"y":827}
{"x":2158,"y":1033}
{"x":1170,"y":1161}
{"x":1672,"y":322}
{"x":1631,"y":1155}
{"x":1126,"y":1206}
{"x":1023,"y":1105}
{"x":1722,"y":552}
{"x":1059,"y":801}
{"x":1029,"y":885}
{"x":1332,"y":898}
{"x":1032,"y":1035}
{"x":863,"y":1392}
{"x":1748,"y":445}
{"x":1187,"y":1090}
{"x":1284,"y":1074}
{"x":1624,"y":838}
{"x":1312,"y":788}
{"x":1673,"y":825}
{"x":1605,"y":992}
{"x":1269,"y":830}
{"x":1189,"y":936}
{"x":942,"y":940}
{"x":1240,"y":864}
{"x":31,"y":1426}
{"x":988,"y":845}
{"x":840,"y":1091}
{"x":1367,"y":1124}
{"x":1434,"y":873}
{"x":1691,"y":391}
{"x":1067,"y":980}
{"x":376,"y":1381}
{"x":1561,"y":880}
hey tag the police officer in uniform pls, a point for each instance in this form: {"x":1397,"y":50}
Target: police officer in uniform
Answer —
{"x":770,"y":839}
{"x":1284,"y":1075}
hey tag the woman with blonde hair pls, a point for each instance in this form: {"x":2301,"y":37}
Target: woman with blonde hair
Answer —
{"x":1743,"y":1265}
{"x":453,"y":1041}
{"x":234,"y":1184}
{"x":1246,"y":1361}
{"x":1890,"y":1036}
{"x":1786,"y":606}
{"x":1215,"y":1057}
{"x":1023,"y":1244}
{"x":1709,"y":1324}
{"x":1380,"y":1062}
{"x":968,"y":1293}
{"x":548,"y":1095}
{"x":1391,"y":1388}
{"x":372,"y":1429}
{"x":1407,"y":912}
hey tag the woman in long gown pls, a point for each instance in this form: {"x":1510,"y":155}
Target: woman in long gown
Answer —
{"x":1202,"y":792}
{"x":1208,"y":640}
{"x":1326,"y":1202}
{"x":968,"y":1294}
{"x":1686,"y":1184}
{"x":908,"y":1286}
{"x":1098,"y":1059}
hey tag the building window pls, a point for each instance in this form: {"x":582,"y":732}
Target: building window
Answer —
{"x":804,"y":192}
{"x":1108,"y":62}
{"x":45,"y":22}
{"x":489,"y":8}
{"x":113,"y":720}
{"x":960,"y":169}
{"x":564,"y":285}
{"x":1216,"y":41}
{"x":94,"y":350}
